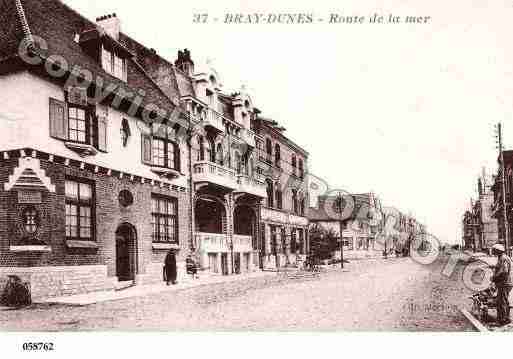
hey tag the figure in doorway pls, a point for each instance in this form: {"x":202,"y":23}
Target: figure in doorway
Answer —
{"x":170,"y":268}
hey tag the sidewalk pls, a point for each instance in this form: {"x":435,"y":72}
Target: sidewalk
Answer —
{"x":142,"y":290}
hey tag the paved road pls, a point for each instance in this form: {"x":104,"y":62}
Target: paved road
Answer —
{"x":396,"y":294}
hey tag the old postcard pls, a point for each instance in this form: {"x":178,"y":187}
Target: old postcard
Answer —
{"x":268,"y":166}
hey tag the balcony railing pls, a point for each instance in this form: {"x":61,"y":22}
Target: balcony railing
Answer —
{"x":205,"y":171}
{"x":253,"y":185}
{"x":248,"y":136}
{"x":212,"y":242}
{"x":214,"y":173}
{"x":242,"y":243}
{"x":219,"y":242}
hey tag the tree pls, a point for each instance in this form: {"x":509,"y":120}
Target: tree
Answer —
{"x":323,"y":242}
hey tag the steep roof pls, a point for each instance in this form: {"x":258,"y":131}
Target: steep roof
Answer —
{"x":58,"y":25}
{"x":11,"y":29}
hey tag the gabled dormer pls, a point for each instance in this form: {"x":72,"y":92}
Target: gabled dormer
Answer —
{"x":102,"y":43}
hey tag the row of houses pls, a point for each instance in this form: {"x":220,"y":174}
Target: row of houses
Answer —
{"x":482,"y":223}
{"x":112,"y":155}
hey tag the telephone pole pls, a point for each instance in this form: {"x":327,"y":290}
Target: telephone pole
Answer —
{"x":503,"y":180}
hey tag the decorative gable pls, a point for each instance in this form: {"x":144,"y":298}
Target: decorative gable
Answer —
{"x":29,"y":175}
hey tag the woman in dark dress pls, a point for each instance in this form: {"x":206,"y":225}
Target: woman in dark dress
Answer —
{"x":170,"y":268}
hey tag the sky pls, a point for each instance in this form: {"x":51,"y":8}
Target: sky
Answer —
{"x":406,"y":111}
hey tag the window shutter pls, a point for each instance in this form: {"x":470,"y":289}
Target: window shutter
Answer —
{"x":102,"y":133}
{"x":177,"y":157}
{"x":77,"y":95}
{"x":146,"y":149}
{"x":58,"y":119}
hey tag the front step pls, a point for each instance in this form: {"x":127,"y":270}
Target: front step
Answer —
{"x":124,"y":284}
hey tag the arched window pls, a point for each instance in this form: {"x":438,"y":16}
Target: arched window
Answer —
{"x":270,"y":193}
{"x":301,"y":169}
{"x":277,"y":155}
{"x":220,"y":154}
{"x":250,"y":167}
{"x":294,"y":165}
{"x":238,"y":162}
{"x":210,"y":154}
{"x":201,"y":149}
{"x":269,"y":149}
{"x":302,"y":207}
{"x":294,"y":201}
{"x":279,"y":197}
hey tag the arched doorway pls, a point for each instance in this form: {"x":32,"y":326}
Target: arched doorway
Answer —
{"x":126,"y":251}
{"x":244,"y":220}
{"x":210,"y":215}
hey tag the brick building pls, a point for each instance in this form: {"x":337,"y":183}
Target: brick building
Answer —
{"x":284,"y":225}
{"x":90,"y":196}
{"x":120,"y":156}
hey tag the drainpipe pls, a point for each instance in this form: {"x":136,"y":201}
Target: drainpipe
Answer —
{"x":191,"y":193}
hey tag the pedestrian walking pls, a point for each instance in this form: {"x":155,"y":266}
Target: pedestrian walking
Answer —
{"x":191,"y":266}
{"x":504,"y":282}
{"x":170,"y":268}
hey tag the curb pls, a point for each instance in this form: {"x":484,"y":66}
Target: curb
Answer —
{"x":473,"y":320}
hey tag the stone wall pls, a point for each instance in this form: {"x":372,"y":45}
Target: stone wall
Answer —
{"x":59,"y":281}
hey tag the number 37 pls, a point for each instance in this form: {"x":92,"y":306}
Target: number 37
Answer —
{"x":199,"y":18}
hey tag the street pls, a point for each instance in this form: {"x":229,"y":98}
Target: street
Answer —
{"x":396,"y":294}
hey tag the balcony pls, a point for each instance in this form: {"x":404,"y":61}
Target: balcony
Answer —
{"x":209,"y":172}
{"x":214,"y":120}
{"x":211,"y":242}
{"x":219,"y":242}
{"x":248,"y":136}
{"x":242,"y":243}
{"x":252,"y":185}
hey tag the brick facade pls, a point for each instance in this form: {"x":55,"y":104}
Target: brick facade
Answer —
{"x":109,"y":215}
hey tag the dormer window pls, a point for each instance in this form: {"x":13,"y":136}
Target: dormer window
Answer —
{"x":114,"y":64}
{"x":210,"y":97}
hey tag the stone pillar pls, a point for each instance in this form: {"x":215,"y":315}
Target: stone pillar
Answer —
{"x":268,"y":251}
{"x":230,"y":205}
{"x":219,"y":264}
{"x":204,"y":263}
{"x":250,"y":259}
{"x":288,"y":244}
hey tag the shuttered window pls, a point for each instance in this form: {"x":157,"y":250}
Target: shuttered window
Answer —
{"x":74,"y":121}
{"x":102,"y":133}
{"x":58,"y":119}
{"x":146,"y":150}
{"x":160,"y":150}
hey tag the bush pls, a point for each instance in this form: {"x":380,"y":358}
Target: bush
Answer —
{"x":16,"y":293}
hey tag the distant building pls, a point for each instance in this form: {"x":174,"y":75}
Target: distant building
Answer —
{"x":359,"y":225}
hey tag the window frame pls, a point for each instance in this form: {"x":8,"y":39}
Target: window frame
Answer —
{"x":155,"y":234}
{"x":167,"y":142}
{"x":78,"y":203}
{"x":111,"y":67}
{"x":88,"y":123}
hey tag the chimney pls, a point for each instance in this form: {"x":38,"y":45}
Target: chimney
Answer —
{"x":184,"y":62}
{"x":111,"y":24}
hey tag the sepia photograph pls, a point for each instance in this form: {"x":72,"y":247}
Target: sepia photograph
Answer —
{"x":239,"y":167}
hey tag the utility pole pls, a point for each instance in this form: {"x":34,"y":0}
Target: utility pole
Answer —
{"x":339,"y":205}
{"x":503,"y":177}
